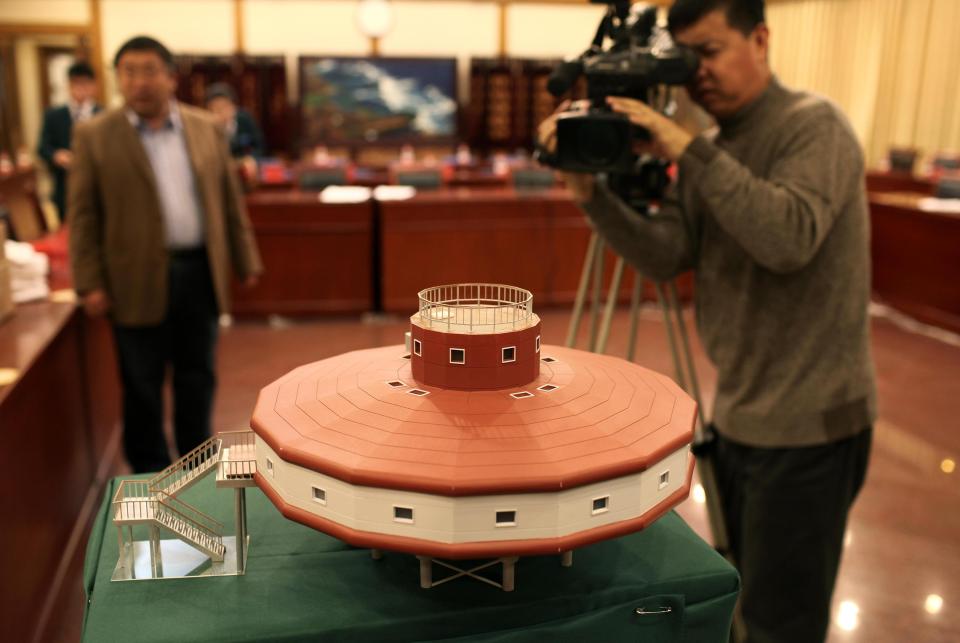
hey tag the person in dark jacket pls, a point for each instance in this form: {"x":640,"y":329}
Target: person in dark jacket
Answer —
{"x":242,"y":131}
{"x":54,"y":144}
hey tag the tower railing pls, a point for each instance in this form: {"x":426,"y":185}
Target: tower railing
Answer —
{"x":475,"y":307}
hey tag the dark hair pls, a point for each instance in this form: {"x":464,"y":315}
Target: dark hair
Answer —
{"x":80,"y":70}
{"x":742,"y":15}
{"x":220,"y":90}
{"x":145,"y":43}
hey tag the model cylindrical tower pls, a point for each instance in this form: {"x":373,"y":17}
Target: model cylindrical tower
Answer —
{"x":474,"y":337}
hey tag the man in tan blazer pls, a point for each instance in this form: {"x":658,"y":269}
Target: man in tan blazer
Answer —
{"x":157,"y":226}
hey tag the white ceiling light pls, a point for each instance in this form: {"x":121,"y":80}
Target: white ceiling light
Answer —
{"x":374,"y":18}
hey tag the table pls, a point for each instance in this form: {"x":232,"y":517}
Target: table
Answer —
{"x":302,"y":585}
{"x":532,"y":238}
{"x":318,"y":257}
{"x":915,"y":258}
{"x":59,"y":425}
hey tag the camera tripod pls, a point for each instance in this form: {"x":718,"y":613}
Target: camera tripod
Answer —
{"x":591,"y":278}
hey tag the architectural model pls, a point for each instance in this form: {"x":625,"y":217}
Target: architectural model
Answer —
{"x":471,"y":441}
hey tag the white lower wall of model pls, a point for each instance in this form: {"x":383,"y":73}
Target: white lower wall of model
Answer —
{"x":472,"y":518}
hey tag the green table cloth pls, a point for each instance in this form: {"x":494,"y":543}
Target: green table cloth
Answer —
{"x":302,"y":585}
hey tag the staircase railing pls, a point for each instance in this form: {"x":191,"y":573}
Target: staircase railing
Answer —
{"x":134,"y":501}
{"x":207,"y":524}
{"x":190,"y":466}
{"x":241,"y":461}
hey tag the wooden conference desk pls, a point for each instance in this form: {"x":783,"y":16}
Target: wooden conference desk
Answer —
{"x":318,"y":256}
{"x":916,"y":258}
{"x":60,"y":430}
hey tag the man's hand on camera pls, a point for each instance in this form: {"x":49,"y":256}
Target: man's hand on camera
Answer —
{"x":579,"y":184}
{"x":669,"y":139}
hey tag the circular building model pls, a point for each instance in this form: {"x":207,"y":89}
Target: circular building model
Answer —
{"x":474,"y":440}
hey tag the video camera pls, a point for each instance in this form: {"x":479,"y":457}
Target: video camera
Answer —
{"x":641,"y":63}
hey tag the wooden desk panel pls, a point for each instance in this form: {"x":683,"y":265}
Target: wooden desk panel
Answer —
{"x":898,"y":182}
{"x":916,"y":262}
{"x":454,"y":236}
{"x":535,"y":239}
{"x":318,"y":257}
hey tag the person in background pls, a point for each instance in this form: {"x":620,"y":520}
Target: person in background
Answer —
{"x":157,"y":226}
{"x":770,"y":211}
{"x":54,"y":144}
{"x":242,"y":131}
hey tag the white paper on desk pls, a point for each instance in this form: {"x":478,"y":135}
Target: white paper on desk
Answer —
{"x":394,"y":192}
{"x":345,"y":194}
{"x":933,"y":204}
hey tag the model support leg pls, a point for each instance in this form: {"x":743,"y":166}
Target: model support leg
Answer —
{"x":131,"y":554}
{"x":121,"y":551}
{"x":509,"y":572}
{"x":566,"y":558}
{"x":376,"y":554}
{"x":156,"y":563}
{"x":241,"y":515}
{"x":426,"y":572}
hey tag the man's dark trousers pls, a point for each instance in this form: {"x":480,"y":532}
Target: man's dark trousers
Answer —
{"x":786,"y":513}
{"x":186,"y":341}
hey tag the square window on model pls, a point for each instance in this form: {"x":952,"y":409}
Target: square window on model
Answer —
{"x":600,"y":505}
{"x":509,"y":354}
{"x":664,"y":479}
{"x":403,"y":514}
{"x":417,"y":347}
{"x":458,"y":356}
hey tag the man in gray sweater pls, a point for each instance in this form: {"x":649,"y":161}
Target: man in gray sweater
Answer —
{"x":770,"y":212}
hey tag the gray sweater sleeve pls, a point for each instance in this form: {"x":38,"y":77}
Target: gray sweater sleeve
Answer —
{"x":660,"y":246}
{"x":782,"y":220}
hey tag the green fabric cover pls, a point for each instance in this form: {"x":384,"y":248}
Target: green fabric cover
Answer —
{"x":302,"y":585}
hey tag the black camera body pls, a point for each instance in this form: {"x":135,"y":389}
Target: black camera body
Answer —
{"x":598,"y":139}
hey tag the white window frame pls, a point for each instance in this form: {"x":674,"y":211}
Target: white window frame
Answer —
{"x":553,"y":387}
{"x":506,"y":523}
{"x":417,"y":348}
{"x":313,"y":494}
{"x":521,"y":395}
{"x":503,"y":357}
{"x":538,"y":343}
{"x":606,"y":505}
{"x":270,"y":467}
{"x":663,"y":480}
{"x":464,"y":350}
{"x":406,"y":521}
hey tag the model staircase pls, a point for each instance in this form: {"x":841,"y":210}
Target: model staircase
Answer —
{"x":155,"y":502}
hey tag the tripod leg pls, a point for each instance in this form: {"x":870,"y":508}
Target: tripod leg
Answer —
{"x":585,"y":273}
{"x":668,"y":324}
{"x":598,"y":260}
{"x":685,"y":351}
{"x":611,"y":306}
{"x":634,"y":315}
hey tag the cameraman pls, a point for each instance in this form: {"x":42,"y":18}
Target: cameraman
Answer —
{"x":770,"y":211}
